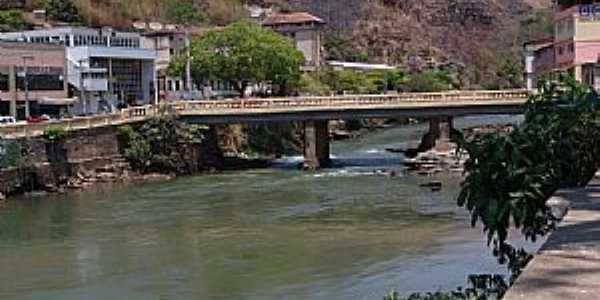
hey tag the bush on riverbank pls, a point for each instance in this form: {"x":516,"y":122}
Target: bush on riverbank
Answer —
{"x":511,"y":176}
{"x":163,"y":145}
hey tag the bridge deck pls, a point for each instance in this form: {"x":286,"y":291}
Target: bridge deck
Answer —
{"x":454,"y":103}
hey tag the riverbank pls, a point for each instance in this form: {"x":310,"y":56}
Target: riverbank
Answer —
{"x":568,"y":264}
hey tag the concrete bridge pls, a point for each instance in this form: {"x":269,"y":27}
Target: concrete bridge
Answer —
{"x":314,"y":112}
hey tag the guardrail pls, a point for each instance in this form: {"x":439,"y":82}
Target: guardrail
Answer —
{"x":128,"y":115}
{"x":351,"y":100}
{"x":140,"y":113}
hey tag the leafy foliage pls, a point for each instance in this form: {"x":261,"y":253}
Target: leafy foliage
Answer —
{"x":54,"y":134}
{"x":12,"y":20}
{"x":10,"y":154}
{"x":184,"y":12}
{"x":429,"y":81}
{"x":510,"y":177}
{"x":244,"y":54}
{"x":339,"y":47}
{"x":481,"y":287}
{"x":62,"y":10}
{"x":162,"y":145}
{"x":311,"y":85}
{"x":273,"y":139}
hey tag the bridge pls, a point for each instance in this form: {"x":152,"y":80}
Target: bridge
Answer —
{"x":314,"y":112}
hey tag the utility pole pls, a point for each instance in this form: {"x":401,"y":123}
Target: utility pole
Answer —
{"x":26,"y":82}
{"x":188,"y":67}
{"x":82,"y":88}
{"x":155,"y":71}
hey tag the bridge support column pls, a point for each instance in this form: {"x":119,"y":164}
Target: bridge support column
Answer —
{"x":316,"y":145}
{"x":440,"y":136}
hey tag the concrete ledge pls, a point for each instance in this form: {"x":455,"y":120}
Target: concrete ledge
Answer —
{"x":568,"y":264}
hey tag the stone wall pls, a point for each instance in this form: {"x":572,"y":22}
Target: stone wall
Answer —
{"x":52,"y":165}
{"x":85,"y":152}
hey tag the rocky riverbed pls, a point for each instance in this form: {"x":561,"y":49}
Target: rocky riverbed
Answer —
{"x":449,"y":159}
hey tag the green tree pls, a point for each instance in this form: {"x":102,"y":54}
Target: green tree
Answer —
{"x":163,"y":145}
{"x":511,"y":176}
{"x":244,"y":54}
{"x":184,"y":12}
{"x":429,"y":81}
{"x":310,"y":85}
{"x":62,"y":10}
{"x":338,"y":47}
{"x":12,"y":20}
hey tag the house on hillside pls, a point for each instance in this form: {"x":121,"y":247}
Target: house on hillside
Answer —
{"x":304,"y":30}
{"x":574,"y":48}
{"x":539,"y":61}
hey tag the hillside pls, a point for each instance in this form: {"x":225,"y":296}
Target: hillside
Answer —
{"x":477,"y":40}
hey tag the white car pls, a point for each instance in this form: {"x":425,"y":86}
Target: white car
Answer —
{"x":5,"y":120}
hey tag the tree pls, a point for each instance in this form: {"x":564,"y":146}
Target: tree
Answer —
{"x":163,"y":144}
{"x":184,"y":12}
{"x":11,"y":20}
{"x":244,"y":54}
{"x":62,"y":10}
{"x":511,"y":176}
{"x":339,"y":47}
{"x":429,"y":81}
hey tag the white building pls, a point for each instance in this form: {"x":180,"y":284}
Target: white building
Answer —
{"x":105,"y":68}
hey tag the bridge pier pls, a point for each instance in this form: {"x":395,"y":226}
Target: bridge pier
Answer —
{"x":440,"y":136}
{"x":316,"y":145}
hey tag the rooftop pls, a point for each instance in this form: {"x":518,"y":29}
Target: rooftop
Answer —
{"x":291,"y":18}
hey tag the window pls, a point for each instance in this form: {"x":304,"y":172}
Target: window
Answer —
{"x":171,"y":51}
{"x":571,"y":48}
{"x":4,"y":86}
{"x":169,"y":85}
{"x":560,"y":50}
{"x":177,"y":85}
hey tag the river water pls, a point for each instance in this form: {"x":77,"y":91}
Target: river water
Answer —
{"x":278,"y":233}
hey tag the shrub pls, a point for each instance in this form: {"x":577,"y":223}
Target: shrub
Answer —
{"x":12,"y":20}
{"x":54,"y":134}
{"x":62,"y":10}
{"x":428,"y":81}
{"x":162,"y":145}
{"x":510,"y":177}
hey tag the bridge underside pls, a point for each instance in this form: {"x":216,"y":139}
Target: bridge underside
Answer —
{"x":347,"y":114}
{"x":316,"y":129}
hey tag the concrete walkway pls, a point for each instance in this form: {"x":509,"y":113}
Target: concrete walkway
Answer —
{"x":568,"y":265}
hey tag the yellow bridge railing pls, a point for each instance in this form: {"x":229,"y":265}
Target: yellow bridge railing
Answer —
{"x":140,"y":113}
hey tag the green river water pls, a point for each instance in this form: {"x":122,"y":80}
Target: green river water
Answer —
{"x":279,"y":233}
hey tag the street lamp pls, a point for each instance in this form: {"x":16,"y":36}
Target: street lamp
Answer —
{"x":26,"y":81}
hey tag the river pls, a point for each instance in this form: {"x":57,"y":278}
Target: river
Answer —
{"x":278,"y":233}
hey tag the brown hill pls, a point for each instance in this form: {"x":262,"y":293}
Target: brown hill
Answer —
{"x":480,"y":39}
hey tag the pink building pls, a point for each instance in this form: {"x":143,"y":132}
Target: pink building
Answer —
{"x":575,"y":45}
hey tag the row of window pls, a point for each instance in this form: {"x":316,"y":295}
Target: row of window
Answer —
{"x":568,"y":48}
{"x":565,"y":28}
{"x":89,"y":40}
{"x":35,"y":83}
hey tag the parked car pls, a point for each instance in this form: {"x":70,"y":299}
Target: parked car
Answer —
{"x":38,"y":119}
{"x":5,"y":120}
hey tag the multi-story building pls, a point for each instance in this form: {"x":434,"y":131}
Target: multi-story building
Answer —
{"x":105,"y":68}
{"x":539,"y":61}
{"x":167,"y":44}
{"x":575,"y":46}
{"x":305,"y":30}
{"x":33,"y":79}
